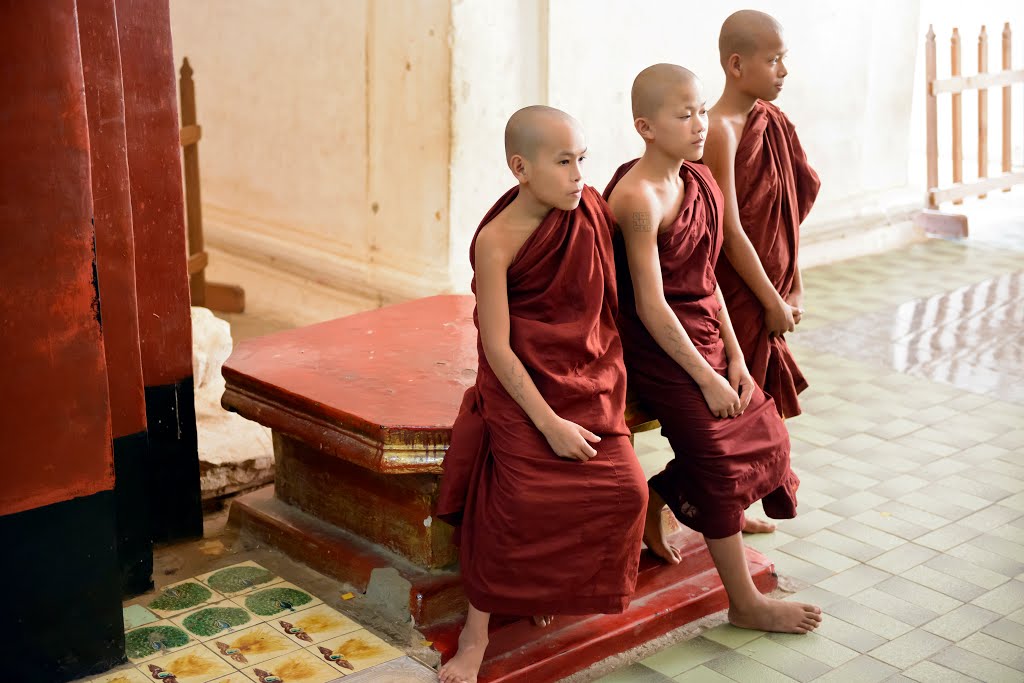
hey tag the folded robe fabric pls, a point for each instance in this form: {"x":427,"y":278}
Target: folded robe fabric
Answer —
{"x":721,"y":466}
{"x":775,"y":189}
{"x":540,"y":534}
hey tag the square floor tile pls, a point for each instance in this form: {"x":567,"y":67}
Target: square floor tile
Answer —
{"x":910,"y":648}
{"x":930,"y":672}
{"x":1005,"y":599}
{"x":155,"y":640}
{"x":401,"y":670}
{"x":702,"y":674}
{"x":182,"y":597}
{"x":868,"y":619}
{"x":863,"y":669}
{"x":684,"y":656}
{"x":252,"y":645}
{"x":211,"y":621}
{"x":239,"y":579}
{"x":361,"y":649}
{"x":816,"y":646}
{"x":854,"y":580}
{"x":299,"y":666}
{"x":279,"y":600}
{"x":943,"y":583}
{"x":237,"y":677}
{"x":1008,"y":630}
{"x":137,"y":615}
{"x":194,"y":664}
{"x":961,"y":622}
{"x":982,"y":668}
{"x":740,"y":668}
{"x":790,"y":662}
{"x":121,"y":676}
{"x":311,"y":626}
{"x":904,"y":611}
{"x":995,"y":649}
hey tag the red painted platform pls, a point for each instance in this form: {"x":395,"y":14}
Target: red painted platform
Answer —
{"x":361,"y":409}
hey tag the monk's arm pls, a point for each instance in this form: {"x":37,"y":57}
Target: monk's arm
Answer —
{"x":739,"y":377}
{"x":720,"y":156}
{"x":639,"y":217}
{"x":493,"y":258}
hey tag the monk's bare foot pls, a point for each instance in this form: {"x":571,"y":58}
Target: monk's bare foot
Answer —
{"x":465,"y":665}
{"x":654,"y":530}
{"x":757,"y":526}
{"x":543,"y":621}
{"x":777,"y":616}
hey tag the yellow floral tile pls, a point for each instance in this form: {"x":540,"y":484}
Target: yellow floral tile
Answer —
{"x":237,"y":677}
{"x":180,"y":597}
{"x":360,"y":649}
{"x":194,"y":664}
{"x":215,"y":620}
{"x":123,"y":676}
{"x":298,"y":667}
{"x":155,"y":640}
{"x":310,"y":626}
{"x":252,"y":645}
{"x":239,"y":579}
{"x":280,"y":599}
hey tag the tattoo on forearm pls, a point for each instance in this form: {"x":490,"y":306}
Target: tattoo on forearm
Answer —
{"x":517,"y":382}
{"x":642,"y":221}
{"x":678,"y":345}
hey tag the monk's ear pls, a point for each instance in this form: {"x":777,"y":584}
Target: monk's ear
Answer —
{"x":643,"y":126}
{"x":517,"y":164}
{"x":734,"y":65}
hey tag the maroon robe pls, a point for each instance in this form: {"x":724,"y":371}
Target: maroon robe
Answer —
{"x":721,"y":465}
{"x":542,"y":534}
{"x":775,"y":190}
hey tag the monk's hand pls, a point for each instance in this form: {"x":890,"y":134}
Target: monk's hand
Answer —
{"x":569,"y":440}
{"x":721,"y":398}
{"x":778,"y":318}
{"x":796,"y":302}
{"x":741,"y":382}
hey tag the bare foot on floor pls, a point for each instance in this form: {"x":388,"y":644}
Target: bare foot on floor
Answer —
{"x":654,"y":530}
{"x":777,"y":616}
{"x":465,"y":665}
{"x":543,"y":621}
{"x":757,"y":526}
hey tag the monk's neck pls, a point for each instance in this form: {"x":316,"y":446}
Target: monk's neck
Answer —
{"x":735,"y":102}
{"x":658,"y":166}
{"x":526,"y":208}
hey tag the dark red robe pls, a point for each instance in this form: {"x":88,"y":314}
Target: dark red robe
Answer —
{"x":542,"y":534}
{"x":775,"y":190}
{"x":721,"y":466}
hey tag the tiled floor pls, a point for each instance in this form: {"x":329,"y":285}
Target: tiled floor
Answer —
{"x":242,"y":623}
{"x":911,"y":455}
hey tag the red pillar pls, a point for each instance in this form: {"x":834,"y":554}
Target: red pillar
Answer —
{"x":56,"y":473}
{"x":115,"y":255}
{"x":161,"y":275}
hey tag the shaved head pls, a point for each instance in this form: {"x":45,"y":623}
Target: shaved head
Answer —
{"x":528,"y":129}
{"x":745,"y":32}
{"x":652,"y":85}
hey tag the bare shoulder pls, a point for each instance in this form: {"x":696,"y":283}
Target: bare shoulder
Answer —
{"x":636,"y":206}
{"x":496,"y":244}
{"x":722,"y":137}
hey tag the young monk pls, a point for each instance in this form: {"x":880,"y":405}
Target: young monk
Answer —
{"x":540,"y":473}
{"x":681,"y":353}
{"x":755,"y":155}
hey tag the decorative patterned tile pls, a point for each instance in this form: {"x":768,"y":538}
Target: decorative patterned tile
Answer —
{"x":155,"y":640}
{"x":194,"y":664}
{"x":296,"y":667}
{"x":211,"y":621}
{"x":281,"y":599}
{"x":313,"y":625}
{"x":182,"y":597}
{"x":238,"y":579}
{"x":121,"y":676}
{"x":252,"y":645}
{"x":358,"y":649}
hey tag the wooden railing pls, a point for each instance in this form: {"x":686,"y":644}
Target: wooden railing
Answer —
{"x":212,"y":295}
{"x":956,"y":85}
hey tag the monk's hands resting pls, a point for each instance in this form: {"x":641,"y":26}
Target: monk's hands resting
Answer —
{"x":721,"y":398}
{"x":741,"y":382}
{"x":778,"y":317}
{"x":569,"y":440}
{"x":796,"y":301}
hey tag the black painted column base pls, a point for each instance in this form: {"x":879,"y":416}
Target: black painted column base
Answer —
{"x":132,"y":492}
{"x":176,"y":509}
{"x":63,"y":592}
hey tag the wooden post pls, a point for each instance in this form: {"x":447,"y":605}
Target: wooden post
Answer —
{"x":982,"y":109}
{"x":958,"y":142}
{"x":1007,"y":148}
{"x":193,"y":208}
{"x":931,"y":109}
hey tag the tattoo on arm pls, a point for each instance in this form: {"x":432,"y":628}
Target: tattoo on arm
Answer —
{"x":678,"y":346}
{"x":518,"y":380}
{"x":642,"y":221}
